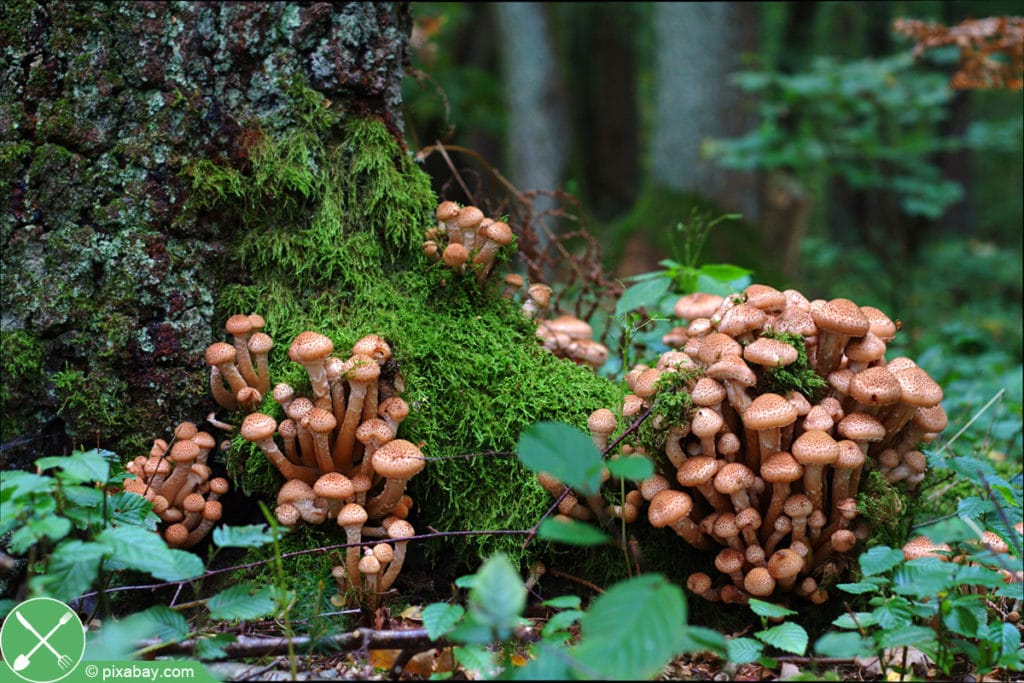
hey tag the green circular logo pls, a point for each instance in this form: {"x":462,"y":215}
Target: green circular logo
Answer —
{"x":42,"y":640}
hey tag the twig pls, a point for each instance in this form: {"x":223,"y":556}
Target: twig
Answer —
{"x":570,"y":577}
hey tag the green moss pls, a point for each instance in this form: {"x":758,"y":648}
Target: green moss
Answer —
{"x":797,"y":376}
{"x":21,"y":372}
{"x":672,"y":406}
{"x":886,"y":508}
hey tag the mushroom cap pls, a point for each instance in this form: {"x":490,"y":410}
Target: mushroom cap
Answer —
{"x":840,"y":380}
{"x":668,"y":506}
{"x":759,"y":582}
{"x":260,"y":343}
{"x":498,"y":232}
{"x":740,"y":319}
{"x":218,"y":353}
{"x":706,"y":422}
{"x":454,"y":255}
{"x":319,"y":421}
{"x":697,"y":470}
{"x":698,"y":582}
{"x":446,"y":211}
{"x":930,"y":419}
{"x":729,"y":560}
{"x":398,"y":459}
{"x":295,"y":491}
{"x":205,"y":441}
{"x":795,"y":299}
{"x":865,"y":349}
{"x":257,"y":427}
{"x":818,"y":418}
{"x":288,"y":429}
{"x":514,"y":280}
{"x":591,"y":352}
{"x":369,"y":564}
{"x":287,"y":514}
{"x":383,"y":552}
{"x":257,"y":321}
{"x":815,"y":447}
{"x":310,"y":346}
{"x":900,"y":363}
{"x":765,"y":297}
{"x":361,"y":482}
{"x":631,"y":405}
{"x":733,"y":478}
{"x":795,"y":320}
{"x":916,"y":461}
{"x":879,"y":324}
{"x":731,"y":368}
{"x":238,"y":325}
{"x":571,"y":326}
{"x":785,"y":563}
{"x":646,"y":384}
{"x":859,"y":426}
{"x":922,"y":546}
{"x":715,"y":345}
{"x":875,"y":386}
{"x":400,"y":529}
{"x":799,"y":401}
{"x":728,"y":444}
{"x":769,"y":411}
{"x":352,"y":515}
{"x":334,"y":486}
{"x":748,"y":517}
{"x":175,"y":534}
{"x":372,"y":345}
{"x":851,"y":457}
{"x":917,"y":388}
{"x":725,"y":525}
{"x":185,"y":430}
{"x":184,"y":452}
{"x":602,"y":421}
{"x":374,"y":430}
{"x":650,"y":486}
{"x":394,"y":407}
{"x":841,"y":316}
{"x":213,"y":510}
{"x":469,"y":217}
{"x":219,"y":486}
{"x":842,"y":540}
{"x":798,"y":505}
{"x":771,"y":353}
{"x":283,"y":393}
{"x":361,"y":369}
{"x":697,"y":305}
{"x":194,"y":502}
{"x":539,"y":292}
{"x":707,"y":392}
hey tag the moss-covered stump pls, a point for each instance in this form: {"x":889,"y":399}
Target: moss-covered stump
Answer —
{"x":110,"y":266}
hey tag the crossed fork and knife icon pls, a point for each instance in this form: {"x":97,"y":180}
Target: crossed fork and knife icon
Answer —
{"x":23,"y":660}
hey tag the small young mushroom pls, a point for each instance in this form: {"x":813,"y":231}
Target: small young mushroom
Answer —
{"x":369,"y":568}
{"x":785,"y":565}
{"x":351,"y":518}
{"x":310,"y":349}
{"x":259,"y":346}
{"x":221,"y":355}
{"x":361,"y":372}
{"x":332,"y":489}
{"x":259,"y":428}
{"x":240,"y":329}
{"x":468,"y":221}
{"x":212,"y":512}
{"x":393,"y":410}
{"x":400,"y":531}
{"x":301,"y":495}
{"x":671,"y":508}
{"x":700,"y":584}
{"x":837,"y":321}
{"x":759,"y":582}
{"x":496,"y":235}
{"x":602,"y":424}
{"x":183,"y":454}
{"x":815,"y":450}
{"x":397,"y":461}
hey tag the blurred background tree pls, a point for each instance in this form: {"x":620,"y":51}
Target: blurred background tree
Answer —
{"x":858,"y":168}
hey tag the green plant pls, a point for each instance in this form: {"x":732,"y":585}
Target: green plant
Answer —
{"x":787,"y":636}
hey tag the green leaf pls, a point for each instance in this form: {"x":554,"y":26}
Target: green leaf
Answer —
{"x":843,"y":645}
{"x":974,"y":575}
{"x":893,"y":612}
{"x":214,"y":647}
{"x":36,"y":529}
{"x":477,"y":660}
{"x":115,"y":640}
{"x":248,"y":536}
{"x":646,"y":293}
{"x":571,"y":531}
{"x":908,"y":635}
{"x":880,"y":559}
{"x":786,"y":636}
{"x":71,"y":571}
{"x":563,"y":602}
{"x":564,"y":452}
{"x":1010,"y":640}
{"x":632,"y":630}
{"x":170,"y":626}
{"x":863,"y":619}
{"x":439,"y":618}
{"x":498,"y":595}
{"x":631,"y":468}
{"x":858,"y":588}
{"x":925,"y":576}
{"x":17,"y":485}
{"x":966,"y":615}
{"x":242,"y":601}
{"x":768,"y":609}
{"x":560,"y":621}
{"x":550,"y":664}
{"x":743,"y":650}
{"x":701,"y":639}
{"x":131,"y":547}
{"x":79,"y":467}
{"x":973,"y":507}
{"x":723,"y":272}
{"x":129,"y":508}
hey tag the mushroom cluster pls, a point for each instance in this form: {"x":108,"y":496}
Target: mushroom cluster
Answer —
{"x":764,"y":419}
{"x":239,"y":371}
{"x":341,"y":458}
{"x":178,"y":482}
{"x":567,"y":336}
{"x":465,"y":240}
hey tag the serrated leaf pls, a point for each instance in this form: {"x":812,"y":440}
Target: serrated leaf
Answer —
{"x":563,"y":602}
{"x":571,"y":531}
{"x":115,"y":640}
{"x":71,"y":571}
{"x":1010,"y":639}
{"x":247,"y":536}
{"x":131,"y":547}
{"x":908,"y":635}
{"x":439,"y":618}
{"x":858,"y":588}
{"x":632,"y":630}
{"x":129,"y":508}
{"x":880,"y":559}
{"x":560,"y":621}
{"x":647,"y":292}
{"x":863,"y":620}
{"x":925,"y":576}
{"x":478,"y":661}
{"x":498,"y":595}
{"x":15,"y":485}
{"x":465,"y":581}
{"x":631,"y":468}
{"x":768,"y":609}
{"x":966,"y":617}
{"x":170,"y":626}
{"x":844,"y":645}
{"x":564,"y":452}
{"x":973,"y":507}
{"x":786,"y":636}
{"x":78,"y":467}
{"x":743,"y":650}
{"x":209,"y":648}
{"x":242,"y":601}
{"x":893,"y":613}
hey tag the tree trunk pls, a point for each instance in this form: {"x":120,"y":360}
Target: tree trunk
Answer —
{"x":107,"y":109}
{"x":698,"y":46}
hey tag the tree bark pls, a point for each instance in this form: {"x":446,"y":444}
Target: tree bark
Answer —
{"x":108,"y":275}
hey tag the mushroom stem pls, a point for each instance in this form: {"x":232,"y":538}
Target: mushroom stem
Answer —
{"x":224,"y":397}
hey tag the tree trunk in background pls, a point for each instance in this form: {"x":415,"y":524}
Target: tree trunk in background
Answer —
{"x":108,"y":277}
{"x":538,"y":130}
{"x":698,"y":46}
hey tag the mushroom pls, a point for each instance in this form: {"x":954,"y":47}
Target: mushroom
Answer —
{"x":300,"y":494}
{"x":183,"y":454}
{"x":240,"y":328}
{"x":362,"y":371}
{"x":815,"y":450}
{"x":698,"y":472}
{"x":874,"y":388}
{"x":259,"y":347}
{"x":848,"y":463}
{"x":766,"y":416}
{"x":513,"y":283}
{"x":259,"y":429}
{"x":741,"y":322}
{"x":397,"y":461}
{"x":297,"y":411}
{"x":671,"y":508}
{"x":287,"y":515}
{"x":759,"y":582}
{"x":393,"y":410}
{"x":706,"y":423}
{"x":837,"y":320}
{"x":321,"y":423}
{"x":602,"y":424}
{"x":798,"y":508}
{"x":310,"y":350}
{"x":455,"y":256}
{"x":468,"y":221}
{"x":212,"y":512}
{"x":496,"y":235}
{"x":372,"y":434}
{"x":331,"y":490}
{"x":737,"y":377}
{"x":700,"y":584}
{"x":369,"y":567}
{"x":351,"y":518}
{"x":782,"y":526}
{"x":864,"y":351}
{"x":784,"y":565}
{"x":730,"y":561}
{"x":733,"y":480}
{"x":447,"y":215}
{"x":770,"y":353}
{"x":400,"y":531}
{"x":538,"y":296}
{"x":697,"y":305}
